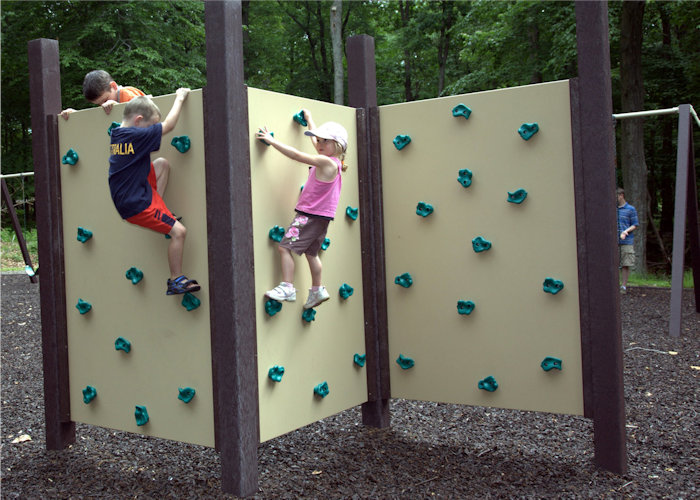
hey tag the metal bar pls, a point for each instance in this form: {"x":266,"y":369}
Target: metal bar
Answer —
{"x":21,"y":174}
{"x":18,"y":229}
{"x":695,"y":115}
{"x":651,"y":112}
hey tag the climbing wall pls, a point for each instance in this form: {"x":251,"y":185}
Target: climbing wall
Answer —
{"x":168,"y":345}
{"x":312,"y":351}
{"x":477,"y":218}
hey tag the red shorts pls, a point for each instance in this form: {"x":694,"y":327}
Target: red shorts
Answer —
{"x":157,"y":216}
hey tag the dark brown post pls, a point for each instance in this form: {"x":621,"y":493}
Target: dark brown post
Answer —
{"x":45,"y":102}
{"x":362,"y":94}
{"x":231,"y":273}
{"x":597,"y":233}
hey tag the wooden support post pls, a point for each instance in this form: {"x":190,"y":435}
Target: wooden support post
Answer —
{"x":230,"y":243}
{"x":45,"y":103}
{"x":601,"y":329}
{"x":362,"y":94}
{"x":17,"y":228}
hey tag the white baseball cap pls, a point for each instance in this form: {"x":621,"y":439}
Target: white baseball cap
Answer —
{"x":331,"y":130}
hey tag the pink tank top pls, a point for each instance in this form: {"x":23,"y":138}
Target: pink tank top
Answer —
{"x":318,"y":197}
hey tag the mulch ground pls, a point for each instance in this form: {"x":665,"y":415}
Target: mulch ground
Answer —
{"x":431,"y":449}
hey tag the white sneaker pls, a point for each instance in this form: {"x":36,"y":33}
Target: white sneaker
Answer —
{"x":316,"y":297}
{"x":282,"y":292}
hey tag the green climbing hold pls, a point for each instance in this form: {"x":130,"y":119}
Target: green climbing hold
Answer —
{"x":461,"y":110}
{"x":321,"y":389}
{"x":121,"y":344}
{"x":527,"y":130}
{"x":308,"y":315}
{"x":326,"y":243}
{"x":552,"y":286}
{"x":480,"y":244}
{"x":345,"y":291}
{"x":111,"y":127}
{"x":272,"y":307}
{"x":351,"y":212}
{"x":404,"y":362}
{"x":276,"y":233}
{"x":517,"y":196}
{"x":550,"y":363}
{"x":134,"y":274}
{"x":275,"y":373}
{"x":424,"y":209}
{"x":488,"y":384}
{"x":359,"y":359}
{"x":465,"y":306}
{"x":401,"y":141}
{"x":299,"y":118}
{"x":83,"y":234}
{"x":190,"y":302}
{"x":83,"y":307}
{"x":141,"y":414}
{"x":405,"y":280}
{"x":182,"y":143}
{"x":185,"y":394}
{"x":89,"y":394}
{"x":70,"y":158}
{"x":465,"y":177}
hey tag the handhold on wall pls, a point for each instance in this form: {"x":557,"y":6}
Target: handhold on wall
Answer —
{"x":272,"y":307}
{"x":326,"y":243}
{"x":276,"y":233}
{"x":84,"y":234}
{"x":190,"y":302}
{"x":480,"y":244}
{"x":321,"y":389}
{"x":552,"y":286}
{"x":134,"y":274}
{"x":182,"y":143}
{"x":465,"y":306}
{"x":308,"y":315}
{"x":275,"y":373}
{"x":405,"y":362}
{"x":121,"y":344}
{"x":424,"y":209}
{"x":550,"y":362}
{"x":185,"y":394}
{"x":299,"y":118}
{"x":89,"y":394}
{"x":461,"y":110}
{"x":517,"y":196}
{"x":83,"y":307}
{"x":352,"y":212}
{"x":359,"y":359}
{"x":264,"y":141}
{"x":112,"y":126}
{"x":345,"y":291}
{"x":141,"y":414}
{"x":527,"y":130}
{"x":70,"y":158}
{"x":465,"y":177}
{"x":401,"y":141}
{"x":488,"y":384}
{"x":405,"y":280}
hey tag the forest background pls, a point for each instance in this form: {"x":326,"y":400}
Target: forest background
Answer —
{"x":424,"y":49}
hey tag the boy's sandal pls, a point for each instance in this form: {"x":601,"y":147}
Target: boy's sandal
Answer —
{"x":182,"y":285}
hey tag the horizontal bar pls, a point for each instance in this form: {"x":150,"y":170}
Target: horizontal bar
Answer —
{"x":636,"y":114}
{"x":21,"y":174}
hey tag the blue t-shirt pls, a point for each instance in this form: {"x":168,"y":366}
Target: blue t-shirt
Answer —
{"x":626,"y":217}
{"x":129,"y":166}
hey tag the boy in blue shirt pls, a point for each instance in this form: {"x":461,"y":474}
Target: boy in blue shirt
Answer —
{"x":627,"y":222}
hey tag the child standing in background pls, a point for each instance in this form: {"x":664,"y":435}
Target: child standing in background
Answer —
{"x":100,"y":88}
{"x":316,"y":206}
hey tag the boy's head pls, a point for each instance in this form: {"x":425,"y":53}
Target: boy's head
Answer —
{"x":99,"y":87}
{"x":141,"y":111}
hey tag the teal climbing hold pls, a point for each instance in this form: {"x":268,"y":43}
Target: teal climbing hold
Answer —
{"x":488,"y":384}
{"x":265,"y":142}
{"x":352,"y":212}
{"x":461,"y":110}
{"x":70,"y":158}
{"x":401,"y":141}
{"x":190,"y":302}
{"x":424,"y":209}
{"x":345,"y":291}
{"x":359,"y":359}
{"x":527,"y":130}
{"x":276,"y":233}
{"x":272,"y":307}
{"x":405,"y":362}
{"x":141,"y":414}
{"x":326,"y":243}
{"x":83,"y":307}
{"x":83,"y":234}
{"x":121,"y":344}
{"x":299,"y":118}
{"x":465,"y":177}
{"x":480,"y":244}
{"x":275,"y":373}
{"x":89,"y":394}
{"x":517,"y":196}
{"x":550,"y":363}
{"x":112,"y":126}
{"x":134,"y":274}
{"x":552,"y":286}
{"x":321,"y":389}
{"x":309,"y":315}
{"x":405,"y":280}
{"x":185,"y":394}
{"x":182,"y":143}
{"x":465,"y":306}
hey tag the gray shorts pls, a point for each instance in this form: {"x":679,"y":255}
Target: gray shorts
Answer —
{"x":305,"y":234}
{"x":626,"y":255}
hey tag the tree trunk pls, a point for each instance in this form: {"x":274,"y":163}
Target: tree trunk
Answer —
{"x":634,"y":169}
{"x":405,"y":10}
{"x":337,"y":42}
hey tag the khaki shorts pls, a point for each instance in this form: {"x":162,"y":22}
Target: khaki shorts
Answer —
{"x":305,"y":235}
{"x":626,"y":255}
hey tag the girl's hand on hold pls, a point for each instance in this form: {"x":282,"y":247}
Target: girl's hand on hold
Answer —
{"x":263,"y":134}
{"x":307,"y":116}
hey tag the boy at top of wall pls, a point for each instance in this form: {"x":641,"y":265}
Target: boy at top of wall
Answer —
{"x":100,"y":88}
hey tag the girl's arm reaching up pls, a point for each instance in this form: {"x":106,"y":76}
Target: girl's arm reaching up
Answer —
{"x":327,"y":167}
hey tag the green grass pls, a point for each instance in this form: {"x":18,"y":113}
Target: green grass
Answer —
{"x":11,"y":257}
{"x":659,"y":280}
